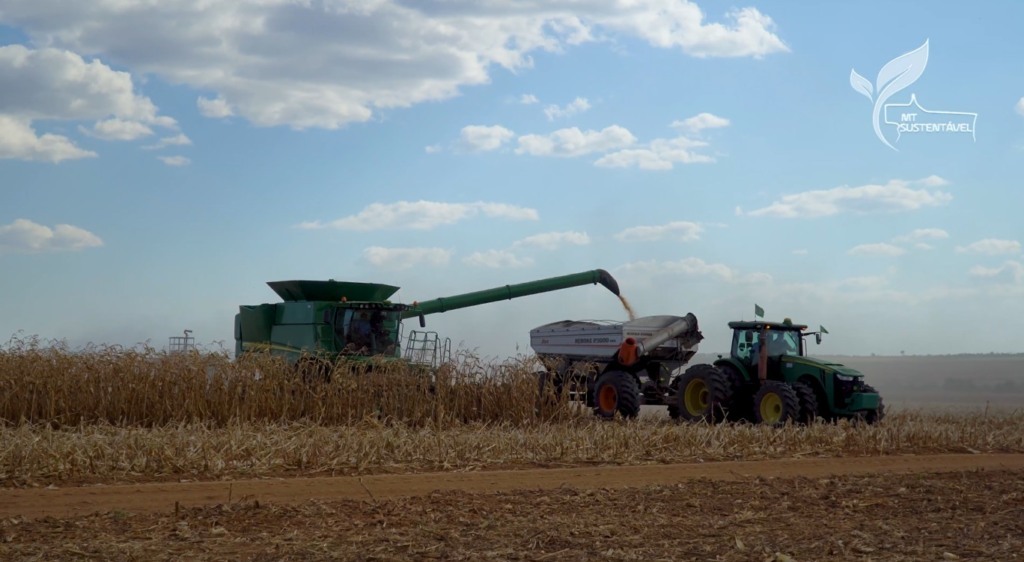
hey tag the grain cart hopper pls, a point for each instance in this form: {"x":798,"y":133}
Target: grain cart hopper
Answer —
{"x":326,"y":320}
{"x":768,"y":378}
{"x":616,"y":366}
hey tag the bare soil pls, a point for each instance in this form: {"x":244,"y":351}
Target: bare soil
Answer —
{"x":943,"y":507}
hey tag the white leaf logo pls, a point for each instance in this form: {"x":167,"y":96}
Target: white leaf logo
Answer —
{"x":896,"y":75}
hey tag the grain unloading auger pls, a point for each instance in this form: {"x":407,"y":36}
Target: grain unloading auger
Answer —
{"x":326,"y":320}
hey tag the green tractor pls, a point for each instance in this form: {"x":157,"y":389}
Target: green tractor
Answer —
{"x":768,"y":378}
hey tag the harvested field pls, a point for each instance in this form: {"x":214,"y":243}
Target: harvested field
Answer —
{"x":976,"y":515}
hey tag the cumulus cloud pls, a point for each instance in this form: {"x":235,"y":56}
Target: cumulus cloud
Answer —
{"x":496,"y":259}
{"x":27,"y":237}
{"x":554,"y":240}
{"x":55,"y":85}
{"x":528,"y":99}
{"x":176,"y":161}
{"x":701,"y":121}
{"x":406,"y":258}
{"x":578,"y":105}
{"x":216,"y":107}
{"x":692,"y":268}
{"x":574,"y":142}
{"x":432,"y":149}
{"x":659,"y":154}
{"x":922,"y":234}
{"x":118,"y":129}
{"x":18,"y":140}
{"x":1020,"y":106}
{"x":679,"y":230}
{"x":326,"y":64}
{"x":179,"y":139}
{"x":991,"y":246}
{"x":893,"y":196}
{"x":879,"y":249}
{"x":423,"y":215}
{"x":482,"y":138}
{"x":1010,"y":270}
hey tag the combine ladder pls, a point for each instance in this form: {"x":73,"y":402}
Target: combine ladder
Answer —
{"x":427,"y":348}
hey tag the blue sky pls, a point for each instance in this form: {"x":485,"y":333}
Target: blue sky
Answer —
{"x":160,"y":163}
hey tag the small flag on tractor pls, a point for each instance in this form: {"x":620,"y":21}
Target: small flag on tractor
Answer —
{"x":823,"y":330}
{"x":758,"y":311}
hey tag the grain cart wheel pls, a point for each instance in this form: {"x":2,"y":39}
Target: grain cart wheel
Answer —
{"x":703,"y":393}
{"x":874,"y":416}
{"x":776,"y":403}
{"x":808,"y":400}
{"x":616,"y":391}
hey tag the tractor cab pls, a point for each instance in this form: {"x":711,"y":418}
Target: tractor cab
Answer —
{"x":761,"y":345}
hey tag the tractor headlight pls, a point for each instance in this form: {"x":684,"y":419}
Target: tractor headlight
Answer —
{"x":845,"y":378}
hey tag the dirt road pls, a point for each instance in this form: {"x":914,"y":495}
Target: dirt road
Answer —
{"x":161,"y":497}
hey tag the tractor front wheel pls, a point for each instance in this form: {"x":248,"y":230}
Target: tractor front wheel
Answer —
{"x":874,"y":416}
{"x":616,"y":391}
{"x":808,"y":401}
{"x":776,"y":403}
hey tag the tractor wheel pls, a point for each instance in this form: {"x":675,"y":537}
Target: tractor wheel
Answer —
{"x":776,"y":403}
{"x":673,"y":405}
{"x":874,"y":416}
{"x":703,"y":393}
{"x":808,"y":400}
{"x":616,"y":391}
{"x":740,"y":408}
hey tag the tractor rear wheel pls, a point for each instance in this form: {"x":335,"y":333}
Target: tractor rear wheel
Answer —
{"x":874,"y":416}
{"x":776,"y":403}
{"x":808,"y":400}
{"x":740,"y":406}
{"x":703,"y":393}
{"x":616,"y":391}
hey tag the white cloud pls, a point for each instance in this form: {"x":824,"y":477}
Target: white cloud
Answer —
{"x":176,"y":161}
{"x":19,"y":140}
{"x":578,"y":105}
{"x":25,"y":236}
{"x":922,"y":234}
{"x":894,"y":196}
{"x":326,"y":64}
{"x":179,"y":139}
{"x":432,"y":149}
{"x":497,"y":259}
{"x":1020,"y":106}
{"x":118,"y":129}
{"x":406,"y":258}
{"x":678,"y":230}
{"x":216,"y":108}
{"x":57,"y":85}
{"x":659,"y":154}
{"x":701,"y":121}
{"x":483,"y":138}
{"x":692,"y":268}
{"x":422,"y":215}
{"x":1011,"y":270}
{"x":880,"y":249}
{"x":574,"y":142}
{"x":991,"y":246}
{"x":554,"y":240}
{"x":528,"y":99}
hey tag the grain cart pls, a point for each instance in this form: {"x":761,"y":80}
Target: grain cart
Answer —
{"x":616,"y":366}
{"x":768,"y":378}
{"x":323,"y":321}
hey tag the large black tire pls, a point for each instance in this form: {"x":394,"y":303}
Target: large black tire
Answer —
{"x":703,"y":394}
{"x":741,"y":406}
{"x":616,"y":391}
{"x":776,"y":403}
{"x":808,"y":403}
{"x":874,"y":416}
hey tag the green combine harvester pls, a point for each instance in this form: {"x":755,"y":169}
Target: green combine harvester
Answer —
{"x":329,"y":320}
